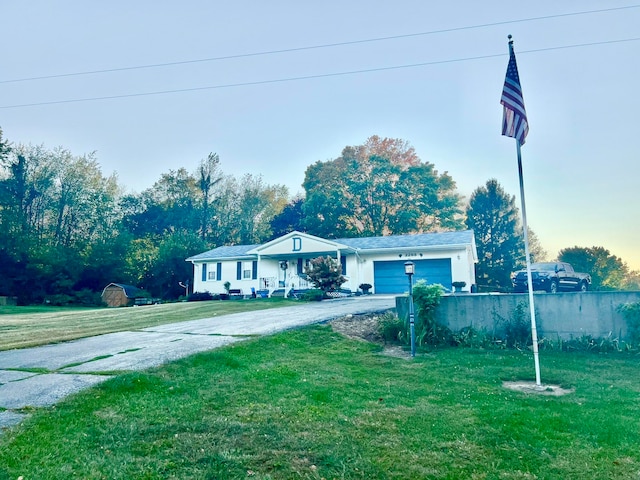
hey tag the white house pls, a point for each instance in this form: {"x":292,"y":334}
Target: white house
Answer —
{"x":279,"y":264}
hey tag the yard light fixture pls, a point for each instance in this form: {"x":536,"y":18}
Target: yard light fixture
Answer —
{"x":409,"y":270}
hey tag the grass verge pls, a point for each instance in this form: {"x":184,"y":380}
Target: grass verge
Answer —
{"x":22,"y":327}
{"x":311,"y":404}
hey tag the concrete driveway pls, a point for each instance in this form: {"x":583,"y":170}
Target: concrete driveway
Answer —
{"x":41,"y":376}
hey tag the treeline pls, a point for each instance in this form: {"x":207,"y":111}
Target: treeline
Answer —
{"x":66,"y":230}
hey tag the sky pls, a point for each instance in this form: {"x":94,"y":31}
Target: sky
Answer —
{"x":273,"y":87}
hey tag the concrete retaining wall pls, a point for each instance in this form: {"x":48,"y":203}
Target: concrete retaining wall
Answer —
{"x":563,"y":315}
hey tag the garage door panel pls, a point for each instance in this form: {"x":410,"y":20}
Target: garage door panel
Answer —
{"x":389,"y":276}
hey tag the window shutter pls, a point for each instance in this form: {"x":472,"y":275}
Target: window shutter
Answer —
{"x":254,"y":270}
{"x":219,"y":271}
{"x":299,"y":266}
{"x":239,"y":271}
{"x":204,"y":272}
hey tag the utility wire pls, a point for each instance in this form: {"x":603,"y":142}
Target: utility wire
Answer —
{"x":314,"y":47}
{"x":309,"y":77}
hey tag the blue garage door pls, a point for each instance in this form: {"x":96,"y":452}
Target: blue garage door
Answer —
{"x":389,"y":277}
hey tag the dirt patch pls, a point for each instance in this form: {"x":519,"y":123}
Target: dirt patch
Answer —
{"x":365,"y":327}
{"x":532,"y":388}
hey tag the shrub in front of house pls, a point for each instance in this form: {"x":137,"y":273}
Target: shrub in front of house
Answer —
{"x":325,"y":273}
{"x":199,"y":297}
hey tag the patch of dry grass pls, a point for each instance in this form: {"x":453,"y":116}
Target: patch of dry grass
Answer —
{"x":25,"y":327}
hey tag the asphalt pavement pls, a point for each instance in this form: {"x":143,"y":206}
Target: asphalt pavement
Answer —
{"x":42,"y":376}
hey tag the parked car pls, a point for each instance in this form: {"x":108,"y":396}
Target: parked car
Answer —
{"x":552,"y":277}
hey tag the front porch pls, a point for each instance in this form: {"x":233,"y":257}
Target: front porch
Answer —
{"x":283,"y":286}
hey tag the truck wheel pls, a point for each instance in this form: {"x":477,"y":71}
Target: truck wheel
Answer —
{"x":583,"y":287}
{"x":553,"y":287}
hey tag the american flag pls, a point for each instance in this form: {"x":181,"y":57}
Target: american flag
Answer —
{"x":514,"y":118}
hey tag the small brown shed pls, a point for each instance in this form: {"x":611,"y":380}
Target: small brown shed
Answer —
{"x":119,"y":295}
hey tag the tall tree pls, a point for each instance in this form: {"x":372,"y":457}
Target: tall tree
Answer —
{"x":168,"y":268}
{"x":225,"y":212}
{"x":84,"y":200}
{"x":26,"y":179}
{"x":389,"y":192}
{"x":175,"y":195}
{"x":325,"y":210}
{"x":26,"y":194}
{"x":607,"y":271}
{"x":53,"y":207}
{"x":5,"y":147}
{"x":632,"y":281}
{"x":493,"y":216}
{"x":259,"y":204}
{"x":291,"y":218}
{"x":208,"y":176}
{"x":536,"y":250}
{"x":397,"y":151}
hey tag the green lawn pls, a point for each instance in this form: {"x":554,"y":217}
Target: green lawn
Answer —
{"x":311,"y":404}
{"x":22,"y":327}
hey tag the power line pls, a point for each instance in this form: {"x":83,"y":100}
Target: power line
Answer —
{"x":315,"y":47}
{"x":310,"y":77}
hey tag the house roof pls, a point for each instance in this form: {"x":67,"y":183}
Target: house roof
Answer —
{"x":440,"y":239}
{"x":422,"y":240}
{"x":231,"y":251}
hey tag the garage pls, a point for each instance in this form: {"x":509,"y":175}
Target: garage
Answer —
{"x":389,"y":276}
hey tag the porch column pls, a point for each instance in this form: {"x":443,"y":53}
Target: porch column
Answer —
{"x":258,"y":275}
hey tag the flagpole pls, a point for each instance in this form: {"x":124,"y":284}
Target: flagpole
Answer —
{"x":534,"y":331}
{"x":516,"y":125}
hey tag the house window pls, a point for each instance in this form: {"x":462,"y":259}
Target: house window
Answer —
{"x":246,"y":271}
{"x":209,"y":274}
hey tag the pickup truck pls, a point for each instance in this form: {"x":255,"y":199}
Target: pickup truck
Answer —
{"x":552,"y":277}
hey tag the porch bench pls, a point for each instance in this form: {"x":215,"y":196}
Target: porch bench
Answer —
{"x":236,"y":293}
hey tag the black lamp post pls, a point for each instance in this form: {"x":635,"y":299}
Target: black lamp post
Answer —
{"x":409,"y":269}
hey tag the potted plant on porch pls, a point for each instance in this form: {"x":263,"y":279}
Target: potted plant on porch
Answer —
{"x":458,"y":286}
{"x":365,"y":287}
{"x":227,"y":287}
